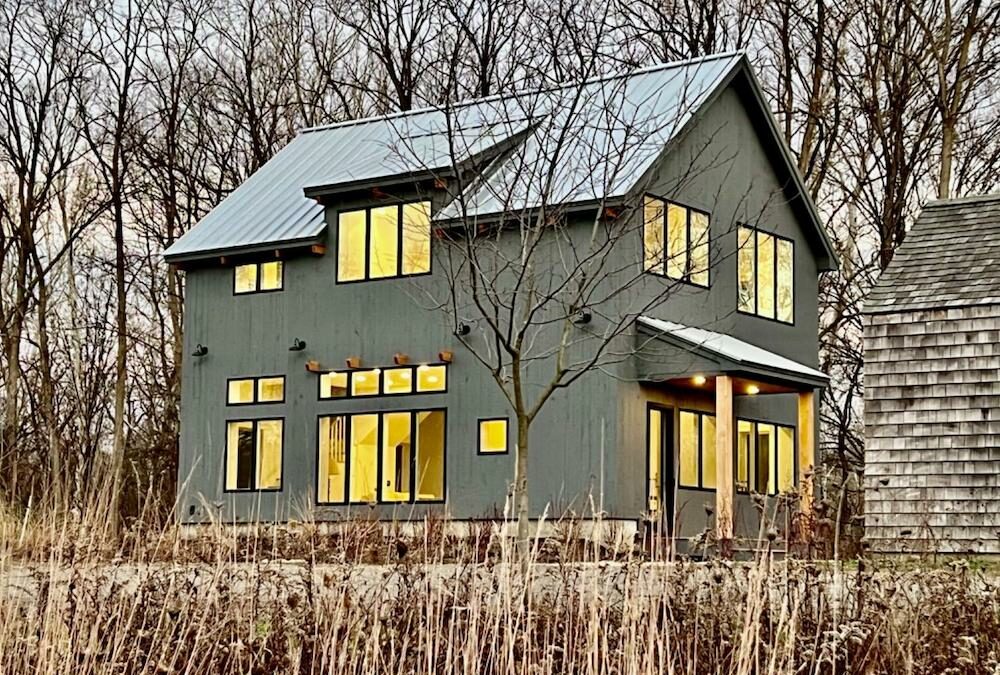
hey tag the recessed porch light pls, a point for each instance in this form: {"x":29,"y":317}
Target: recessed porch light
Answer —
{"x":753,"y":389}
{"x":699,"y":380}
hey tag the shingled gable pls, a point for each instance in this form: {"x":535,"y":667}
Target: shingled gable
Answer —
{"x":950,"y":258}
{"x":276,"y":206}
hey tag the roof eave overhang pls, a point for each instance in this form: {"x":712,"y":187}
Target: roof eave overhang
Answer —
{"x":318,"y":192}
{"x":530,"y":211}
{"x":186,"y":258}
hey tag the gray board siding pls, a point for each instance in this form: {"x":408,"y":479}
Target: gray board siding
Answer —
{"x":589,"y":441}
{"x":932,"y":428}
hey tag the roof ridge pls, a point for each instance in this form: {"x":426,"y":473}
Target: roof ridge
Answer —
{"x":465,"y":103}
{"x":967,"y":199}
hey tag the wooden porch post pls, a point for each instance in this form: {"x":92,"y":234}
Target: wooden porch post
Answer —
{"x":724,"y":463}
{"x":807,"y":448}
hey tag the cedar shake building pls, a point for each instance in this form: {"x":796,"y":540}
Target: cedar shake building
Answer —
{"x":932,"y":386}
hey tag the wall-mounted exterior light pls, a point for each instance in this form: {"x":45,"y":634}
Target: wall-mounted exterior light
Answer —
{"x":200,"y":350}
{"x":297,"y":345}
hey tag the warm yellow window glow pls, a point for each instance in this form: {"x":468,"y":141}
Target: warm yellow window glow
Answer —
{"x":699,"y":248}
{"x":432,"y":378}
{"x":430,"y":456}
{"x":765,"y":275}
{"x":416,"y":238}
{"x":786,"y":282}
{"x":492,"y":436}
{"x":747,"y":271}
{"x":271,"y":276}
{"x":745,"y":449}
{"x":677,"y":241}
{"x":270,"y":389}
{"x":240,"y":391}
{"x":397,"y":380}
{"x":365,"y":382}
{"x":764,"y":469}
{"x":708,"y":451}
{"x":655,"y":454}
{"x":253,"y":455}
{"x":364,"y":459}
{"x":786,"y":458}
{"x":245,"y":279}
{"x":652,"y":235}
{"x":397,"y":448}
{"x":351,"y":245}
{"x":384,"y":242}
{"x":332,"y":482}
{"x":333,"y":385}
{"x":688,"y":454}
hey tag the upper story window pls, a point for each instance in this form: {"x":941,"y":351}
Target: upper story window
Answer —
{"x":258,"y":277}
{"x":675,"y":241}
{"x":389,"y":381}
{"x":248,"y":390}
{"x":384,"y":241}
{"x":765,"y":457}
{"x":766,"y":275}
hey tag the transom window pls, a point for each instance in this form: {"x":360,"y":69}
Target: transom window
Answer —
{"x":258,"y":277}
{"x":493,"y":435}
{"x":385,"y":457}
{"x":249,"y":390}
{"x":696,"y":461}
{"x":765,"y":457}
{"x":384,"y":241}
{"x":766,"y":275}
{"x":675,"y":241}
{"x":253,"y":454}
{"x":391,"y":381}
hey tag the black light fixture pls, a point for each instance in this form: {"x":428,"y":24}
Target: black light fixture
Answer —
{"x":297,"y":345}
{"x":463,"y":329}
{"x":200,"y":350}
{"x":582,"y":316}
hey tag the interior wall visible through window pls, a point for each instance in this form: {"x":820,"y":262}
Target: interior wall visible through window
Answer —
{"x":380,"y":242}
{"x":765,"y":457}
{"x":675,"y":241}
{"x":696,"y":451}
{"x":766,"y":275}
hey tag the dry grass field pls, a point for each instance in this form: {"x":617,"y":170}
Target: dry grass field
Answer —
{"x":74,"y":599}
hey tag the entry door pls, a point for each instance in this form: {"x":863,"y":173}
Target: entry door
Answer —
{"x":660,"y":465}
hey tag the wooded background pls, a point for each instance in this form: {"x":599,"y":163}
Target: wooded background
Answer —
{"x":122,"y":124}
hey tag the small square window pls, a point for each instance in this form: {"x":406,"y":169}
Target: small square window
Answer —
{"x":432,"y":378}
{"x":493,"y":436}
{"x":271,"y":276}
{"x":271,"y":390}
{"x":240,"y":391}
{"x":245,"y":279}
{"x":333,"y":385}
{"x":397,"y":380}
{"x":365,"y":382}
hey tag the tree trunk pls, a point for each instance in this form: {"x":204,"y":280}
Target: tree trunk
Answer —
{"x":521,"y":491}
{"x":118,"y":458}
{"x":947,"y":152}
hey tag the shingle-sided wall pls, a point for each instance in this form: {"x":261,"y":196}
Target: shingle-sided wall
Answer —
{"x":932,"y":430}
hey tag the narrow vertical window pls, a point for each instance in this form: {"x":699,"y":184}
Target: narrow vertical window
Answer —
{"x":764,"y":470}
{"x":654,"y":461}
{"x":383,"y":258}
{"x":745,"y":444}
{"x":786,"y":458}
{"x":364,"y":458}
{"x":786,"y":284}
{"x":351,"y":245}
{"x":687,"y":475}
{"x":271,"y":276}
{"x":677,"y":242}
{"x":699,"y":248}
{"x":747,"y":270}
{"x":430,"y":456}
{"x":332,"y":483}
{"x":254,"y":454}
{"x":765,"y":275}
{"x":416,"y":238}
{"x":652,"y":235}
{"x":397,"y":448}
{"x":708,"y":452}
{"x":493,"y":436}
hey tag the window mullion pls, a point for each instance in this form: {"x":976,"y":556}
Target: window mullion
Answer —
{"x":368,"y":242}
{"x":414,"y":449}
{"x":687,"y":244}
{"x":348,"y":454}
{"x":399,"y":240}
{"x":777,"y":283}
{"x":664,"y":237}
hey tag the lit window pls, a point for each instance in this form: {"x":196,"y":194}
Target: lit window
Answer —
{"x":493,"y":436}
{"x":253,"y":455}
{"x":333,"y":385}
{"x":404,"y":448}
{"x":765,"y":457}
{"x":654,"y":458}
{"x":432,"y":378}
{"x":384,"y":241}
{"x":697,"y":450}
{"x":675,"y":241}
{"x":247,"y":390}
{"x":766,"y":275}
{"x":258,"y":277}
{"x":397,"y":380}
{"x":364,"y":382}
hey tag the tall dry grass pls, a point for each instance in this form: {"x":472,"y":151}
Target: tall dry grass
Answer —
{"x":76,"y":599}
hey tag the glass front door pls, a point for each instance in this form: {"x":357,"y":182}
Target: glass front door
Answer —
{"x":660,"y":465}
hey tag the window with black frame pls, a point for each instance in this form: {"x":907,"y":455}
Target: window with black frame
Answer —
{"x":765,"y":457}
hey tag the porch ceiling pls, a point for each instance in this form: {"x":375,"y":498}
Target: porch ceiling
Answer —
{"x":672,"y":352}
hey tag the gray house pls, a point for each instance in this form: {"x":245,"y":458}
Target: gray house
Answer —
{"x":321,"y":383}
{"x":932,"y":386}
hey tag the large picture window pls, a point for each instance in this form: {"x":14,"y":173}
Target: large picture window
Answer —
{"x":258,"y":277}
{"x":389,"y":381}
{"x":675,"y":241}
{"x":384,"y":241}
{"x":766,"y":275}
{"x":253,"y":454}
{"x":384,"y":457}
{"x":696,"y":455}
{"x":765,"y":457}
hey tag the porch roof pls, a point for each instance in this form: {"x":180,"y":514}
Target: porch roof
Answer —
{"x":719,"y":353}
